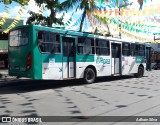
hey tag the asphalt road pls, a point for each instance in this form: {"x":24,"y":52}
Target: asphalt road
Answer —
{"x":109,"y":96}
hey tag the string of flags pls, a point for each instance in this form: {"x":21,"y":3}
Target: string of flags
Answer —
{"x":147,"y":10}
{"x":149,"y":29}
{"x":4,"y":17}
{"x":129,"y":34}
{"x":109,"y":15}
{"x":16,"y":20}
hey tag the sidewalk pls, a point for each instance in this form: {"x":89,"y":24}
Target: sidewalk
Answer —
{"x":4,"y":75}
{"x":6,"y":80}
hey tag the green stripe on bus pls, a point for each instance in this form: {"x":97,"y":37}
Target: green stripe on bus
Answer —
{"x":139,"y":59}
{"x":58,"y":58}
{"x":66,"y":59}
{"x":85,"y":58}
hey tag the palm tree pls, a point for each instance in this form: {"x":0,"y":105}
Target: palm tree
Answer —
{"x":89,"y":5}
{"x":22,"y":2}
{"x":85,"y":5}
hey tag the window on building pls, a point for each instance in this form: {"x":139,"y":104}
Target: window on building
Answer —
{"x":86,"y":45}
{"x":49,"y":42}
{"x":3,"y":36}
{"x":102,"y":47}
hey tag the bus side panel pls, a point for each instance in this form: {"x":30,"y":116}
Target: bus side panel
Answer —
{"x":129,"y":65}
{"x":103,"y":65}
{"x":82,"y":61}
{"x":37,"y":57}
{"x":138,"y":61}
{"x":52,"y":66}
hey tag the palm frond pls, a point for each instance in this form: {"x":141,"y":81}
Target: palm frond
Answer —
{"x":70,"y":4}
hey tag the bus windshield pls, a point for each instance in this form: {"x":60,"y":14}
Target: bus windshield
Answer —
{"x":18,"y":37}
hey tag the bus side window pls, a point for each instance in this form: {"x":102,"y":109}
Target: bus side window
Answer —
{"x":132,"y":49}
{"x":141,"y":50}
{"x":86,"y":45}
{"x":126,"y":49}
{"x":40,"y":44}
{"x":102,"y":47}
{"x":57,"y":44}
{"x":48,"y":42}
{"x":136,"y":50}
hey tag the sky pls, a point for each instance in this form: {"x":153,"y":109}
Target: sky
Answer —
{"x":14,"y":8}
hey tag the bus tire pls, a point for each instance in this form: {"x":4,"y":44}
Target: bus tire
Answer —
{"x":89,"y":76}
{"x":140,"y":72}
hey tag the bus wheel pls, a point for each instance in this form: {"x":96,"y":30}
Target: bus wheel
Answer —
{"x":140,"y":72}
{"x":89,"y":76}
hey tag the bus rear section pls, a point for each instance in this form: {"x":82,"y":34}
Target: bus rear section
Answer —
{"x":20,"y":53}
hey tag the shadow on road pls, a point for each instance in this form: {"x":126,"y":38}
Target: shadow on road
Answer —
{"x":22,"y":86}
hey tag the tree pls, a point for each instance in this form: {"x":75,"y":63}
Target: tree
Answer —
{"x":85,"y":5}
{"x":36,"y":18}
{"x":22,"y":2}
{"x":54,"y":6}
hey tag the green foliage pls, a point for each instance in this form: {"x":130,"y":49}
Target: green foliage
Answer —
{"x":38,"y":19}
{"x":85,"y":5}
{"x":97,"y":32}
{"x":22,"y":2}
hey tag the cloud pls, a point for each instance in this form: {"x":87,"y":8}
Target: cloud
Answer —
{"x":32,"y":6}
{"x":1,"y":14}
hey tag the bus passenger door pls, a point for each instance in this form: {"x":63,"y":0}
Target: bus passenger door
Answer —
{"x":68,"y":45}
{"x":116,"y":58}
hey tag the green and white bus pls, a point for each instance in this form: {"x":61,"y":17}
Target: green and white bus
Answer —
{"x":47,"y":53}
